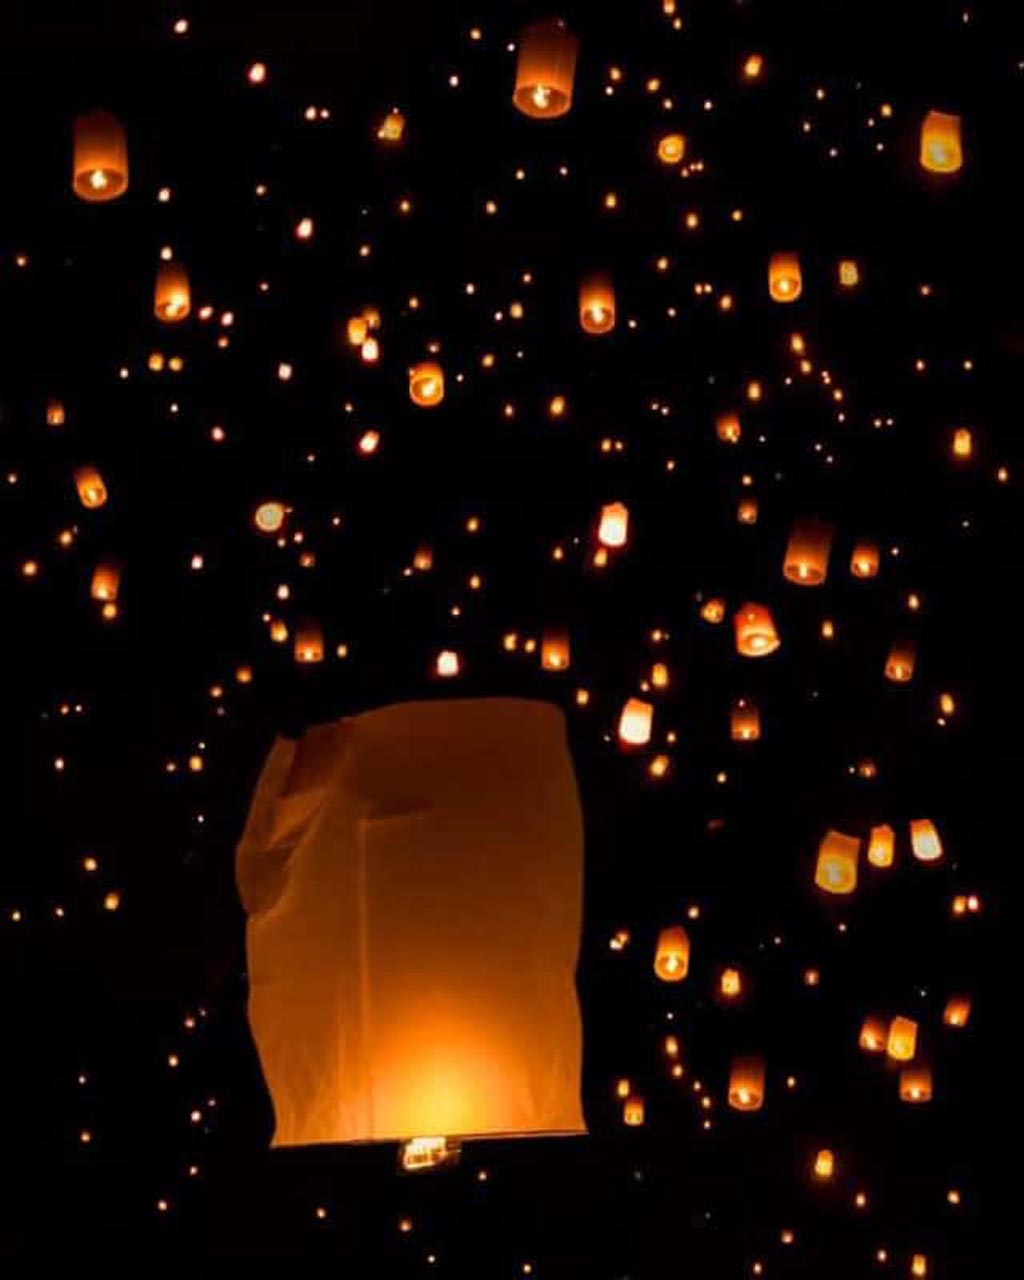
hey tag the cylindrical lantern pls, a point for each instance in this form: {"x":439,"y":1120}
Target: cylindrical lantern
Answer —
{"x":899,"y":666}
{"x":745,"y":721}
{"x":864,"y":560}
{"x":412,"y":878}
{"x":671,"y":148}
{"x":100,"y":157}
{"x":901,"y":1041}
{"x":309,"y":642}
{"x":392,"y":127}
{"x":172,"y":296}
{"x":746,"y":511}
{"x":55,"y":415}
{"x":807,"y":552}
{"x":91,"y":488}
{"x":916,"y":1084}
{"x":873,"y":1033}
{"x":785,"y":282}
{"x":613,"y":528}
{"x":882,"y":846}
{"x":925,"y":844}
{"x":672,"y":955}
{"x":957,"y":1012}
{"x":727,"y":428}
{"x":746,"y":1084}
{"x":545,"y":69}
{"x":597,"y":303}
{"x":635,"y":722}
{"x":426,"y":383}
{"x":554,"y":650}
{"x":633,"y":1111}
{"x":730,"y":984}
{"x":836,"y":868}
{"x":941,"y":143}
{"x":756,"y":636}
{"x":106,"y":581}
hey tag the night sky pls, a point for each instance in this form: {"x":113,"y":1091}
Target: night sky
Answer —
{"x":137,"y":1124}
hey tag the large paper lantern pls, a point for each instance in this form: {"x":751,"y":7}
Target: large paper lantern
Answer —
{"x":413,"y":883}
{"x":785,"y":280}
{"x":597,"y":303}
{"x":172,"y":296}
{"x":99,"y":169}
{"x":545,"y":70}
{"x":756,"y":636}
{"x":941,"y":143}
{"x":836,"y":868}
{"x":807,"y":552}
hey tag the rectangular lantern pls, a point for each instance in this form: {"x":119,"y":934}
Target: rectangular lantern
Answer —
{"x":746,"y":1084}
{"x":836,"y":869}
{"x":807,"y":552}
{"x":545,"y":69}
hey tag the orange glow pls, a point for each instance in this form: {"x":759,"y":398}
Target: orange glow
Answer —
{"x":807,"y":552}
{"x":963,"y":443}
{"x":957,"y":1012}
{"x":836,"y":868}
{"x":730,"y":983}
{"x":106,"y":581}
{"x":672,"y":955}
{"x":671,"y":148}
{"x":925,"y":844}
{"x":92,"y":492}
{"x":785,"y":282}
{"x":727,"y":428}
{"x":882,"y":846}
{"x":172,"y":295}
{"x":613,"y":529}
{"x":745,"y":721}
{"x":635,"y":723}
{"x":554,"y":650}
{"x":899,"y":666}
{"x":426,"y":383}
{"x":824,"y":1165}
{"x":633,"y":1111}
{"x":916,"y":1084}
{"x":756,"y":636}
{"x":309,"y":642}
{"x":269,"y":517}
{"x":392,"y":127}
{"x":873,"y":1034}
{"x":865,"y":560}
{"x":100,"y":160}
{"x":597,"y":303}
{"x":545,"y":69}
{"x":941,"y":143}
{"x":746,"y":1084}
{"x":901,"y":1042}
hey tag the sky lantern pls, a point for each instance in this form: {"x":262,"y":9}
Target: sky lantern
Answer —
{"x":756,"y":636}
{"x":613,"y":528}
{"x":100,"y":157}
{"x":864,"y":560}
{"x":925,"y":844}
{"x":785,"y":282}
{"x":106,"y":581}
{"x":730,"y":984}
{"x":554,"y":649}
{"x":901,"y":1042}
{"x":957,"y":1012}
{"x":635,"y":722}
{"x":899,"y":665}
{"x":824,"y":1164}
{"x":545,"y":68}
{"x":727,"y":428}
{"x":941,"y":143}
{"x":633,"y":1111}
{"x":392,"y":127}
{"x":745,"y":721}
{"x":916,"y":1084}
{"x":962,"y":444}
{"x":172,"y":296}
{"x":55,"y":414}
{"x":597,"y":303}
{"x":806,"y":561}
{"x":881,"y":846}
{"x":91,"y":488}
{"x":873,"y":1034}
{"x":447,"y":664}
{"x":671,"y":148}
{"x":746,"y":1084}
{"x":269,"y":517}
{"x":426,"y":384}
{"x":836,"y":868}
{"x":672,"y":954}
{"x":309,"y":642}
{"x":412,"y":878}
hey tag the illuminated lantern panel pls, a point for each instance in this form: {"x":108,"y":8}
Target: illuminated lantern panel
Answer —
{"x":671,"y":148}
{"x":727,"y":428}
{"x":426,"y":383}
{"x":635,"y":723}
{"x":713,"y":611}
{"x":756,"y":636}
{"x":412,"y":878}
{"x":873,"y":1034}
{"x":597,"y":304}
{"x":545,"y":69}
{"x":92,"y":492}
{"x":633,"y":1111}
{"x":824,"y":1164}
{"x":745,"y":721}
{"x":901,"y":1042}
{"x":309,"y":642}
{"x":55,"y":415}
{"x":269,"y":517}
{"x":613,"y":528}
{"x":882,"y":846}
{"x":746,"y":511}
{"x":916,"y":1084}
{"x":899,"y":666}
{"x":925,"y":844}
{"x":554,"y":650}
{"x":730,"y":984}
{"x":172,"y":296}
{"x":423,"y":559}
{"x":100,"y":157}
{"x":963,"y":443}
{"x":392,"y":127}
{"x":849,"y":273}
{"x":672,"y":955}
{"x":806,"y":561}
{"x":864,"y":561}
{"x":746,"y":1084}
{"x":785,"y":283}
{"x":106,"y":581}
{"x":957,"y":1012}
{"x":836,"y":868}
{"x":941,"y":144}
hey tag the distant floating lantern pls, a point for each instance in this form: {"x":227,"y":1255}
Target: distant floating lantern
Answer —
{"x":635,"y":722}
{"x":849,"y":273}
{"x":899,"y":666}
{"x":545,"y":69}
{"x":269,"y":517}
{"x":941,"y":143}
{"x":727,"y":428}
{"x":423,"y":559}
{"x":925,"y":844}
{"x":633,"y":1111}
{"x":836,"y":868}
{"x":55,"y":415}
{"x":392,"y":127}
{"x":901,"y":1042}
{"x":824,"y":1165}
{"x":672,"y":954}
{"x":807,"y":552}
{"x":713,"y":610}
{"x":172,"y":297}
{"x":785,"y":282}
{"x":100,"y":157}
{"x":671,"y":148}
{"x":447,"y":664}
{"x":864,"y":560}
{"x":963,"y":443}
{"x":309,"y":642}
{"x":916,"y":1084}
{"x":756,"y":636}
{"x":356,"y":330}
{"x":597,"y":303}
{"x":106,"y":581}
{"x":426,"y":384}
{"x":746,"y":1084}
{"x":730,"y":984}
{"x":745,"y":721}
{"x":957,"y":1012}
{"x":746,"y":511}
{"x":554,"y":650}
{"x":92,"y":491}
{"x":882,"y":846}
{"x":614,"y":526}
{"x":873,"y":1033}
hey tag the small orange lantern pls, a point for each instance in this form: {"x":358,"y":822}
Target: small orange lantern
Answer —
{"x":309,"y":642}
{"x":554,"y":650}
{"x":925,"y":844}
{"x":269,"y":517}
{"x":597,"y":303}
{"x":756,"y":636}
{"x":963,"y":443}
{"x":671,"y":148}
{"x":92,"y":492}
{"x":865,"y":560}
{"x":941,"y":143}
{"x":423,"y":559}
{"x":545,"y":69}
{"x":916,"y":1084}
{"x":746,"y":1084}
{"x":881,"y":846}
{"x":672,"y":956}
{"x":807,"y":552}
{"x":899,"y":666}
{"x":745,"y":721}
{"x":824,"y":1165}
{"x":746,"y":511}
{"x":901,"y":1042}
{"x":172,"y":297}
{"x":785,"y":283}
{"x":730,"y":984}
{"x":447,"y":664}
{"x":55,"y":415}
{"x":100,"y":160}
{"x":106,"y":581}
{"x":392,"y":127}
{"x":957,"y":1012}
{"x":873,"y":1033}
{"x":426,"y":384}
{"x":614,"y":525}
{"x":633,"y":1111}
{"x":849,"y":273}
{"x":727,"y":428}
{"x":836,"y":869}
{"x":635,"y":722}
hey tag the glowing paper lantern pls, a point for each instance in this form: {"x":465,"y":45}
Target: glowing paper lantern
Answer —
{"x":412,"y":878}
{"x":635,"y":723}
{"x":597,"y":304}
{"x":426,"y":383}
{"x":957,"y":1012}
{"x":901,"y":1042}
{"x":836,"y":868}
{"x":882,"y":846}
{"x":916,"y":1084}
{"x":873,"y":1032}
{"x":671,"y":148}
{"x":756,"y":636}
{"x":746,"y":1084}
{"x":392,"y":127}
{"x":807,"y":552}
{"x":92,"y":491}
{"x":864,"y":560}
{"x":269,"y":517}
{"x":941,"y":143}
{"x":309,"y":642}
{"x":613,"y":528}
{"x":672,"y":955}
{"x":100,"y":157}
{"x":727,"y":428}
{"x":925,"y":844}
{"x":785,"y":283}
{"x":633,"y":1111}
{"x":545,"y":69}
{"x":106,"y":581}
{"x":730,"y":983}
{"x":55,"y":415}
{"x":554,"y":650}
{"x":824,"y":1164}
{"x":899,"y":666}
{"x":172,"y":296}
{"x":745,"y":721}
